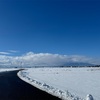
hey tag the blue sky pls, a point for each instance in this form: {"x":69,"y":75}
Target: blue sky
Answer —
{"x":57,"y":27}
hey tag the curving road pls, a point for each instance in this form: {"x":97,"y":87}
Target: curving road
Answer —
{"x":13,"y":88}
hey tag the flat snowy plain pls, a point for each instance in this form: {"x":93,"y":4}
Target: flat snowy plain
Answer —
{"x":65,"y":83}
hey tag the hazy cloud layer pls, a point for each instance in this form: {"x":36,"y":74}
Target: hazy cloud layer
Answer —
{"x":43,"y":59}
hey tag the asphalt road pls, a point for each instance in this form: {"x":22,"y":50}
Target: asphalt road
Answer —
{"x":13,"y":88}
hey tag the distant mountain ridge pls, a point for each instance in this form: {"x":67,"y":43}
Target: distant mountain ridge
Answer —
{"x":78,"y":64}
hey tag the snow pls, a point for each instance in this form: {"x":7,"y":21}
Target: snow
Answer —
{"x":65,"y":83}
{"x":8,"y":69}
{"x":89,"y":97}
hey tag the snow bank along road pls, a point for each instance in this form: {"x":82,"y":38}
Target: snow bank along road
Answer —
{"x":65,"y":83}
{"x":13,"y":88}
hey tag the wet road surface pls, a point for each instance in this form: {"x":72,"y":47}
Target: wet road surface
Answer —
{"x":13,"y":88}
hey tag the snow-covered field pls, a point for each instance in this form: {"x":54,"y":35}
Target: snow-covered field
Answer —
{"x":65,"y":83}
{"x":8,"y":69}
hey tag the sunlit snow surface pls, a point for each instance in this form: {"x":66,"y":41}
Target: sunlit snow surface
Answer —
{"x":66,"y":83}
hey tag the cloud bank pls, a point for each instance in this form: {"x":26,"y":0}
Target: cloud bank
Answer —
{"x":42,"y":59}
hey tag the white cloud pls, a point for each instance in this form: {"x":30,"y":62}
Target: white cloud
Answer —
{"x":8,"y":52}
{"x":13,"y":51}
{"x":43,"y":59}
{"x":4,"y":53}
